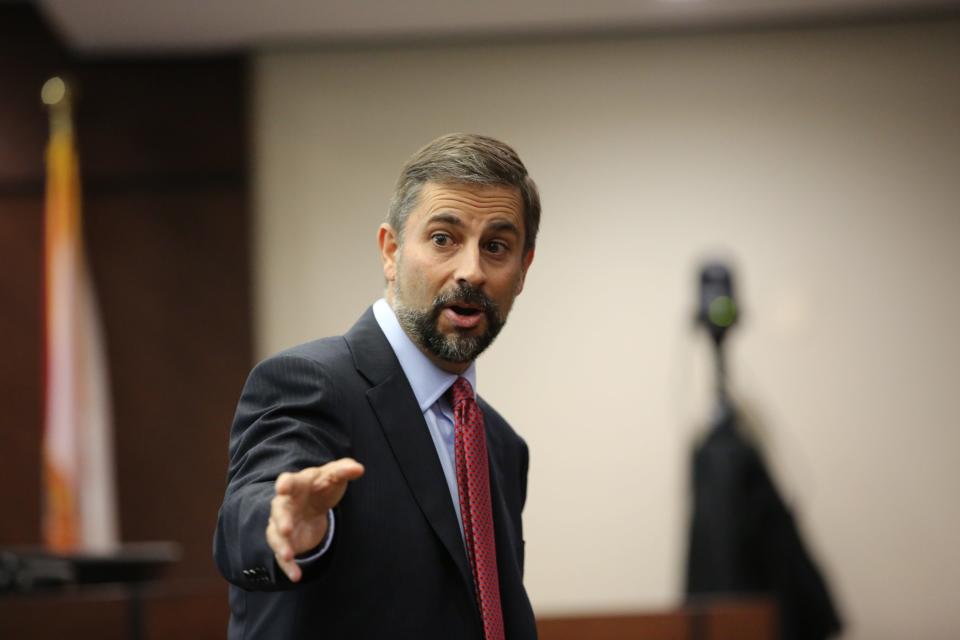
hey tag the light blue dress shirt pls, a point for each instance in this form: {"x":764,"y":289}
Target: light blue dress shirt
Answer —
{"x":430,"y":384}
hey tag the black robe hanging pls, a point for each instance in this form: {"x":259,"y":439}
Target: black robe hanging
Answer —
{"x":743,"y":539}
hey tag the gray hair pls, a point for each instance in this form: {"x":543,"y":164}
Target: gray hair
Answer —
{"x":464,"y":158}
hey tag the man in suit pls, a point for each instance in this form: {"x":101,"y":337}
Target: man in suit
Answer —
{"x":370,"y":493}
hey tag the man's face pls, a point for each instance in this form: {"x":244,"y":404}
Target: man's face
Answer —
{"x":453,"y":280}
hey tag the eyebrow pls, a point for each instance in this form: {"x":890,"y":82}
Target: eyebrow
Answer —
{"x":449,"y":218}
{"x":505,"y":225}
{"x":496,"y":225}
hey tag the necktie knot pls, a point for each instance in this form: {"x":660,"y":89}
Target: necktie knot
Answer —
{"x":460,"y":392}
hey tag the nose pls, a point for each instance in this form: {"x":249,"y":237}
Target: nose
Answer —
{"x":469,"y":267}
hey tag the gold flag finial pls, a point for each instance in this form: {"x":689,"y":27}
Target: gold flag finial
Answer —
{"x":56,"y":95}
{"x":54,"y":91}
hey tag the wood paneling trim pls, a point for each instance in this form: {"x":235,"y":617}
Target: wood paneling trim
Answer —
{"x":195,"y":610}
{"x":721,"y":619}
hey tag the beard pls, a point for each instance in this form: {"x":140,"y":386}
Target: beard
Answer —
{"x":423,"y":325}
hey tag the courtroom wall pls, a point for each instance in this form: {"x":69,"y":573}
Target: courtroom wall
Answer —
{"x":822,"y":161}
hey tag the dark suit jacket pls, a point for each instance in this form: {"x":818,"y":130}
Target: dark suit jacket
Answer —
{"x":397,"y":567}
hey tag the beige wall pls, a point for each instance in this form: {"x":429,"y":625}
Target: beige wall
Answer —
{"x":826,"y":162}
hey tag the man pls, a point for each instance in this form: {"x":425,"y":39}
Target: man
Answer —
{"x":370,"y":493}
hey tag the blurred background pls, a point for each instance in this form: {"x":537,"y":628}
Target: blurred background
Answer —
{"x":237,"y":157}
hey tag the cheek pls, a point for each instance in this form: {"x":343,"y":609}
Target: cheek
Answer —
{"x":518,"y":285}
{"x":511,"y":284}
{"x":413,"y":281}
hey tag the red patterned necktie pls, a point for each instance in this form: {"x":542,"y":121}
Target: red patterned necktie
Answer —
{"x":473,"y":480}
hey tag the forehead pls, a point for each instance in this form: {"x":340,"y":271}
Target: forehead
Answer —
{"x":470,"y":201}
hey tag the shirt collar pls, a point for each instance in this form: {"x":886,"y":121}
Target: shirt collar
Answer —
{"x":429,"y":382}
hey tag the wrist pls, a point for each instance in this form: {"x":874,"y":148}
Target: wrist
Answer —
{"x":321,"y":548}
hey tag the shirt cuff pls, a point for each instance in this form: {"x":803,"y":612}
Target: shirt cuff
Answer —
{"x":324,"y":545}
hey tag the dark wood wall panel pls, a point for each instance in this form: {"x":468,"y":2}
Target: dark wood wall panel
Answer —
{"x":29,"y":54}
{"x":162,"y":124}
{"x":178,"y":321}
{"x":164,"y":165}
{"x":20,"y":367}
{"x":101,"y":615}
{"x":105,"y":613}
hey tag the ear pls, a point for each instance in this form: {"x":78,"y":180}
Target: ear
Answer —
{"x":389,"y":251}
{"x":527,"y":261}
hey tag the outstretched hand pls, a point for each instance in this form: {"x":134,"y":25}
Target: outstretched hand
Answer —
{"x":298,"y":511}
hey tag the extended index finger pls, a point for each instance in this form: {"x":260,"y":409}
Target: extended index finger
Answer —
{"x":342,"y":470}
{"x":292,"y":483}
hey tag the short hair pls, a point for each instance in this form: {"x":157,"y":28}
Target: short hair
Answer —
{"x":465,"y":158}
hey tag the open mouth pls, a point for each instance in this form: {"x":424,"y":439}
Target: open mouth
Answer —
{"x":463,"y":317}
{"x":465,"y":311}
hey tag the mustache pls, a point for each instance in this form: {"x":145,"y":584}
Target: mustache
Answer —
{"x":466,"y":294}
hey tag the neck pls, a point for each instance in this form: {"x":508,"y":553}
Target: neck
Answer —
{"x":450,"y":367}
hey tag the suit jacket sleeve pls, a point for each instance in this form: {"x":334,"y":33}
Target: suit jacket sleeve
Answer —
{"x":289,"y":417}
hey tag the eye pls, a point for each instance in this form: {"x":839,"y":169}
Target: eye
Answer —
{"x":440,"y":239}
{"x":497,"y":247}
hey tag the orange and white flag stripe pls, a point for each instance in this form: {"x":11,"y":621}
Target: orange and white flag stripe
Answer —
{"x":79,"y":511}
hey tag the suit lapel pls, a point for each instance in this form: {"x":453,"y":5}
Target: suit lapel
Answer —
{"x":503,"y":525}
{"x":392,"y":399}
{"x":517,"y":613}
